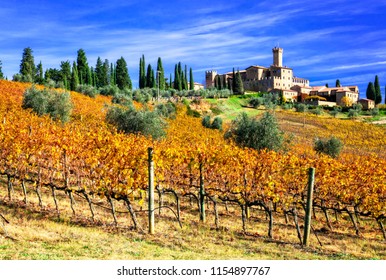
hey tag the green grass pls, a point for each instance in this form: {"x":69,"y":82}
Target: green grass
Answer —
{"x":232,"y":107}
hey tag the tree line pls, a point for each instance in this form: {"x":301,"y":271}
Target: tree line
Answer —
{"x":79,"y":72}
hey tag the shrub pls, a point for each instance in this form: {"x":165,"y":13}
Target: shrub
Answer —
{"x":206,"y":121}
{"x":122,"y":99}
{"x":109,"y":90}
{"x":87,"y":90}
{"x":167,"y":110}
{"x":317,"y":111}
{"x":56,"y":104}
{"x":331,"y":147}
{"x":335,"y":111}
{"x":137,"y":122}
{"x":255,"y":102}
{"x":300,"y":107}
{"x":262,"y":134}
{"x":217,"y":123}
{"x":374,"y":112}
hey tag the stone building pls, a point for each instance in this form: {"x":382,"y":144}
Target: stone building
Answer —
{"x":281,"y":79}
{"x":264,"y":79}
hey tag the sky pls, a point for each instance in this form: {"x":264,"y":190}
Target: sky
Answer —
{"x":322,"y":40}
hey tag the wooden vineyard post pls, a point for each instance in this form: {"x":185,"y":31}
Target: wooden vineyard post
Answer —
{"x":307,"y":218}
{"x":202,"y":195}
{"x":151,"y":190}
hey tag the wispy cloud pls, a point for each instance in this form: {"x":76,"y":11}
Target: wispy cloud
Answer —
{"x":321,"y":40}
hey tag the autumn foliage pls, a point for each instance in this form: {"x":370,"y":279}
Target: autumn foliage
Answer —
{"x":88,"y":156}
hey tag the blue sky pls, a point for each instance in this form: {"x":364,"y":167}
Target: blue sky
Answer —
{"x":322,"y":41}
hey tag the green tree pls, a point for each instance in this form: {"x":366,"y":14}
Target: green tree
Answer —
{"x":377,"y":88}
{"x":177,"y":77}
{"x":83,"y":68}
{"x":370,"y":92}
{"x":27,"y":66}
{"x":257,"y":134}
{"x":1,"y":71}
{"x":74,"y":77}
{"x":239,"y":87}
{"x":337,"y":83}
{"x":191,"y":80}
{"x":160,"y":74}
{"x":149,"y":76}
{"x":53,"y":74}
{"x":185,"y":79}
{"x":142,"y":73}
{"x":113,"y":76}
{"x":122,"y":74}
{"x":39,"y":76}
{"x":65,"y":71}
{"x":101,"y":73}
{"x":233,"y":80}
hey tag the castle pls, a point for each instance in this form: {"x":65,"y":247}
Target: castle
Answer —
{"x":281,"y":79}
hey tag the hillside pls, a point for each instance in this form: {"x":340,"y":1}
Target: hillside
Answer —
{"x":61,"y":183}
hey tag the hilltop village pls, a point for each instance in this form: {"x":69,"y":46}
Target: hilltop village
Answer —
{"x":281,"y":79}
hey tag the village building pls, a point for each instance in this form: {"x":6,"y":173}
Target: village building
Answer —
{"x":281,"y":79}
{"x":367,"y":104}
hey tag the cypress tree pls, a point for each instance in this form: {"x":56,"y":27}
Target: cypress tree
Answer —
{"x":27,"y":66}
{"x":122,"y":74}
{"x":160,"y":75}
{"x":39,"y":78}
{"x":191,"y":80}
{"x":153,"y":79}
{"x":176,"y":77}
{"x":99,"y":73}
{"x":90,"y":80}
{"x":337,"y":83}
{"x":377,"y":88}
{"x":185,"y":80}
{"x":83,"y":69}
{"x":74,"y":77}
{"x":105,"y":72}
{"x":233,"y":80}
{"x":1,"y":71}
{"x":149,"y":73}
{"x":180,"y":76}
{"x":112,"y":75}
{"x":239,"y":87}
{"x":370,"y":92}
{"x":65,"y":73}
{"x":170,"y":81}
{"x":142,"y":73}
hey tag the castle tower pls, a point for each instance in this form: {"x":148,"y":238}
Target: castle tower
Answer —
{"x":277,"y":57}
{"x":209,"y":78}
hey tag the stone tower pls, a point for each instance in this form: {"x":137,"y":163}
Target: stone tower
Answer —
{"x":277,"y":56}
{"x":209,"y":78}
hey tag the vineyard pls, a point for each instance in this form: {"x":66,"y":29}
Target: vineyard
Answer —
{"x":86,"y":159}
